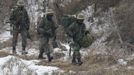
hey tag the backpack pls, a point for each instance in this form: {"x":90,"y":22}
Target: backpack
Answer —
{"x":86,"y":41}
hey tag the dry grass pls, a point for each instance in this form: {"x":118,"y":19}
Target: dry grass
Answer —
{"x":90,"y":63}
{"x":6,"y":43}
{"x":93,"y":65}
{"x":58,"y":55}
{"x":4,"y":54}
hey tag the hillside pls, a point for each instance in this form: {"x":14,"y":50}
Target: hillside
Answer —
{"x":110,"y":22}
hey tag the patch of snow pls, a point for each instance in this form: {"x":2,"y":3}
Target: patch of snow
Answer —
{"x":4,"y":36}
{"x":57,"y":50}
{"x":41,"y":70}
{"x":12,"y":65}
{"x":72,"y":72}
{"x":122,"y":62}
{"x":67,"y":46}
{"x":66,"y":57}
{"x":33,"y":52}
{"x":31,"y":48}
{"x":130,"y":67}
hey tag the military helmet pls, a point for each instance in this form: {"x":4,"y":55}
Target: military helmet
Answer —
{"x":20,"y":3}
{"x":74,"y":16}
{"x":80,"y":17}
{"x":49,"y":12}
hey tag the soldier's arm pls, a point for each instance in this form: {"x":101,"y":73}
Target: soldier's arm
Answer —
{"x":12,"y":18}
{"x":40,"y":28}
{"x":84,"y":30}
{"x":70,"y":29}
{"x":27,"y":19}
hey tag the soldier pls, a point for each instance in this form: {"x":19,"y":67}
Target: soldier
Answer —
{"x":46,"y":30}
{"x":76,"y":30}
{"x":20,"y":23}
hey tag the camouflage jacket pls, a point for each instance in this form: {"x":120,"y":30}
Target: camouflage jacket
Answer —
{"x":19,"y":19}
{"x":76,"y":31}
{"x":66,"y":21}
{"x":46,"y":27}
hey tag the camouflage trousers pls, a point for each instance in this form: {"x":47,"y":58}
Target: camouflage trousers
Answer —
{"x":44,"y":45}
{"x":23,"y":36}
{"x":76,"y":50}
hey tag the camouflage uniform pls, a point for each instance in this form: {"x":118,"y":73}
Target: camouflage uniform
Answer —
{"x":20,"y":23}
{"x":76,"y":30}
{"x":46,"y":30}
{"x":66,"y":21}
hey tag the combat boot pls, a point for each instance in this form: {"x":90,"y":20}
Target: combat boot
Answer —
{"x":14,"y":50}
{"x":41,"y":54}
{"x":50,"y":58}
{"x":74,"y":59}
{"x":24,"y":52}
{"x":79,"y":62}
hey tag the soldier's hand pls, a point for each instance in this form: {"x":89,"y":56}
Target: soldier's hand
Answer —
{"x":86,"y":32}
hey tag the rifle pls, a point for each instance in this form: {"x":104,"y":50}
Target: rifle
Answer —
{"x":28,"y":35}
{"x":70,"y":50}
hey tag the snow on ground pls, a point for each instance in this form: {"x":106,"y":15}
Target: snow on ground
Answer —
{"x":12,"y":65}
{"x":4,"y":36}
{"x":39,"y":69}
{"x":122,"y":62}
{"x":31,"y":51}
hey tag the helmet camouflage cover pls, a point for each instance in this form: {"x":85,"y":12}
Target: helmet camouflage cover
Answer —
{"x":80,"y":17}
{"x":49,"y":12}
{"x":20,"y":3}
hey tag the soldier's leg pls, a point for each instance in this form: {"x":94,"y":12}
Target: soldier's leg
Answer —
{"x":73,"y":47}
{"x":78,"y":56}
{"x":50,"y":43}
{"x":74,"y":58}
{"x":77,"y":53}
{"x":24,"y":42}
{"x":14,"y":41}
{"x":48,"y":50}
{"x":41,"y":47}
{"x":41,"y":52}
{"x":54,"y":42}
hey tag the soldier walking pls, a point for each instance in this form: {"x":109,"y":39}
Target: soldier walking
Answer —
{"x":46,"y":30}
{"x":76,"y":30}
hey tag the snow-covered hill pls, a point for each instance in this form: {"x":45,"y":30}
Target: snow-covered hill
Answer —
{"x":12,"y":65}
